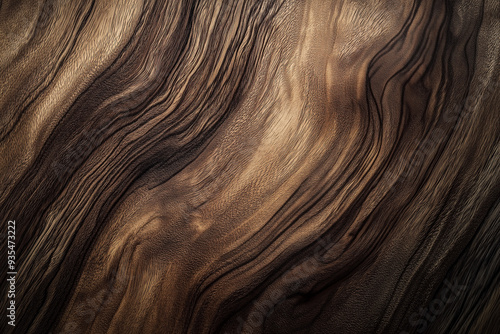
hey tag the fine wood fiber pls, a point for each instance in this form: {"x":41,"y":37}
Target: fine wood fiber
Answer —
{"x":251,"y":166}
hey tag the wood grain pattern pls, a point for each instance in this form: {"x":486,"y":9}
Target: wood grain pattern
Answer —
{"x":253,"y":166}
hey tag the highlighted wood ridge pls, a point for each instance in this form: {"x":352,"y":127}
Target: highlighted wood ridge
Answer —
{"x":251,"y":166}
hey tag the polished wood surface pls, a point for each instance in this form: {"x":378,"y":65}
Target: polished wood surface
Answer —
{"x":251,"y":166}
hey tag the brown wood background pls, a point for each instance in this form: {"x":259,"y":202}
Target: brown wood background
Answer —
{"x":251,"y":166}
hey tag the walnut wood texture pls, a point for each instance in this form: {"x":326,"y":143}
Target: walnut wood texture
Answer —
{"x":252,"y":166}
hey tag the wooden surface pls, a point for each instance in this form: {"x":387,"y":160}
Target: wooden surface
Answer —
{"x":251,"y":166}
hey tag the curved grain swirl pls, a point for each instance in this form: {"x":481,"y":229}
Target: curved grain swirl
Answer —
{"x":252,"y":166}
